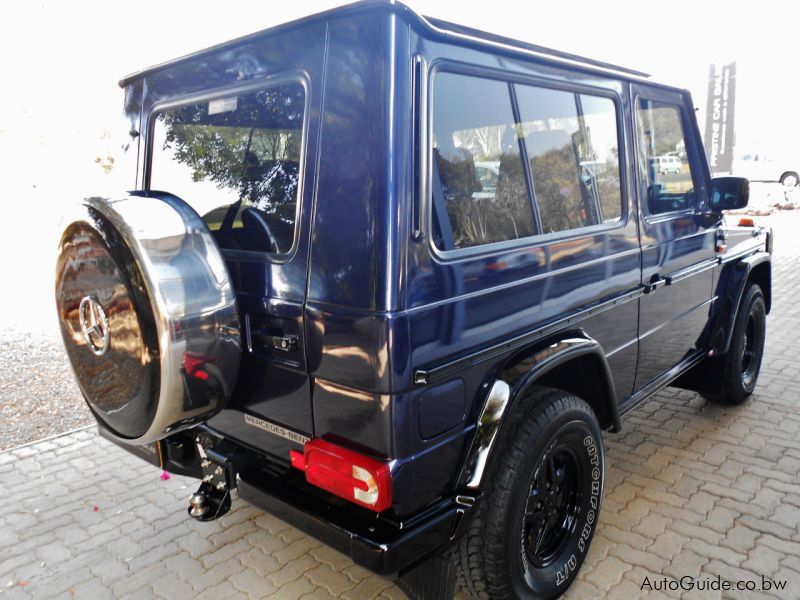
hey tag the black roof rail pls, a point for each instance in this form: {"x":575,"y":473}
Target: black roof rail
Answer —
{"x":480,"y":35}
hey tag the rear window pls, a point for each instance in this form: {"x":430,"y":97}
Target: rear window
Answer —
{"x":236,"y":160}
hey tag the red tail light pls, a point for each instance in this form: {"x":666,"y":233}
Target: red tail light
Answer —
{"x":347,"y":474}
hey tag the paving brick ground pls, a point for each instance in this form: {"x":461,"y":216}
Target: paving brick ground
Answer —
{"x":692,"y":489}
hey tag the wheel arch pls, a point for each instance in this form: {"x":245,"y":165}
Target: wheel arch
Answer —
{"x":556,"y":364}
{"x":762,"y":275}
{"x":757,"y":269}
{"x":752,"y":269}
{"x":787,"y":174}
{"x":553,"y":362}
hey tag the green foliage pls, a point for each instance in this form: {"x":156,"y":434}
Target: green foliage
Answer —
{"x":558,"y":192}
{"x":254,"y":149}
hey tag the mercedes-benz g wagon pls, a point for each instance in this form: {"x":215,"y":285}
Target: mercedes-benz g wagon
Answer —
{"x":390,"y":278}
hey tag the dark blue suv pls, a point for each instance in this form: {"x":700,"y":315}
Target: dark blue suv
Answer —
{"x":390,"y":279}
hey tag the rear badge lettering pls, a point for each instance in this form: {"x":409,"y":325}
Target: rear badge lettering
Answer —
{"x":276,"y":429}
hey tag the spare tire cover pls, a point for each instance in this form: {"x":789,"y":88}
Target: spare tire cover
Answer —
{"x":148,"y":315}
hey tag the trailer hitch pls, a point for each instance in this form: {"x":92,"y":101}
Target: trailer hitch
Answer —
{"x":213,"y":498}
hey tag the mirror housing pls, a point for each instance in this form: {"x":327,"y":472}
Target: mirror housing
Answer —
{"x":728,"y":193}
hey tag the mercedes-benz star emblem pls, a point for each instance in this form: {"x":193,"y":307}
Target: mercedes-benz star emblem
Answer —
{"x":94,"y":325}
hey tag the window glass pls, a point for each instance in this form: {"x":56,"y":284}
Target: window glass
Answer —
{"x":664,"y":170}
{"x":479,"y":190}
{"x":572,"y":145}
{"x":236,"y":161}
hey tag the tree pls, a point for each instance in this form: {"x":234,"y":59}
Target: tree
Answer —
{"x":253,"y":148}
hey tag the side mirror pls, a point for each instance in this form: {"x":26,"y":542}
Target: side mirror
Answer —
{"x":728,"y":193}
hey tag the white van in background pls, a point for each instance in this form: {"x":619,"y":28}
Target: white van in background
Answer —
{"x":666,"y":164}
{"x":759,"y":167}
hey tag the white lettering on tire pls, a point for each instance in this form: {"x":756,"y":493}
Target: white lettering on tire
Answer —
{"x":594,"y":503}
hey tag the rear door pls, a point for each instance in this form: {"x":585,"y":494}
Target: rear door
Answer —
{"x":238,"y":157}
{"x":678,"y":250}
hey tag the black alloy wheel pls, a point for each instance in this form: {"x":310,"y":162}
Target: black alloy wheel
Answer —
{"x":749,"y":359}
{"x":542,"y":503}
{"x":742,"y":363}
{"x":553,"y":506}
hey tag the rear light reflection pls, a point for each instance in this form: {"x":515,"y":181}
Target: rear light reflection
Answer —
{"x":195,"y":365}
{"x":347,"y":474}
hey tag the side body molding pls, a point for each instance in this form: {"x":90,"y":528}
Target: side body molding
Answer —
{"x":520,"y":372}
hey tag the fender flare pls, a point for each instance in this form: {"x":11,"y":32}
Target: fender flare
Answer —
{"x":519,"y":372}
{"x":733,"y":283}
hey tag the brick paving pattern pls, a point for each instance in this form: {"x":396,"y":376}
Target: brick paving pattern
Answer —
{"x":692,"y":488}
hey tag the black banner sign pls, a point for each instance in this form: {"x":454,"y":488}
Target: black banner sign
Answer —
{"x":719,"y":116}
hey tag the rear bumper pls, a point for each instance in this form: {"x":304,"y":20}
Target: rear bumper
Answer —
{"x":380,"y":543}
{"x":373,"y":542}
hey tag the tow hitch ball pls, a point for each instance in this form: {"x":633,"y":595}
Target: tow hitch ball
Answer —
{"x":213,"y":497}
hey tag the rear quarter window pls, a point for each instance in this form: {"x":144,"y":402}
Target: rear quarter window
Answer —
{"x":572,"y":145}
{"x":479,"y":190}
{"x":497,"y":177}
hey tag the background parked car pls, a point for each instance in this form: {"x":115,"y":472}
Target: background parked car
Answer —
{"x":666,"y":164}
{"x":759,"y":167}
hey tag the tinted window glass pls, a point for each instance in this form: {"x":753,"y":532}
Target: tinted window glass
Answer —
{"x":665,"y":173}
{"x":479,"y":191}
{"x":572,"y":145}
{"x":236,"y":161}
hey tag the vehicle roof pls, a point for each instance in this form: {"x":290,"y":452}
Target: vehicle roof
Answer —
{"x":435,"y":28}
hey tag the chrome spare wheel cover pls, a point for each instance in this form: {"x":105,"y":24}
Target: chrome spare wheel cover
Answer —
{"x":148,"y":315}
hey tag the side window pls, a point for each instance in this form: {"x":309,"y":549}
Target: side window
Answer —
{"x":236,"y":161}
{"x":664,"y":171}
{"x":479,"y":194}
{"x":572,"y":145}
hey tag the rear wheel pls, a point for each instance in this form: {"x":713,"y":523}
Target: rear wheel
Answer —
{"x":790,"y":178}
{"x":541,"y":508}
{"x":742,"y":363}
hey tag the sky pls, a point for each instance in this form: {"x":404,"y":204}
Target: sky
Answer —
{"x":63,"y":60}
{"x":60,"y":106}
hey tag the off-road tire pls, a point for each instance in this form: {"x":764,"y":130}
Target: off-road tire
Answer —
{"x":740,"y":373}
{"x":491,"y":557}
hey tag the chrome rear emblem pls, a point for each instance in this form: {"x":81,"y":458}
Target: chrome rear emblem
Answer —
{"x":94,"y":325}
{"x":276,"y":429}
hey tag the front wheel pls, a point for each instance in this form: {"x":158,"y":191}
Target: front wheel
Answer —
{"x":542,"y":505}
{"x":742,"y":363}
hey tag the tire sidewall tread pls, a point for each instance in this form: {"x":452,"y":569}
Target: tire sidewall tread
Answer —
{"x":733,"y":391}
{"x":483,"y":552}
